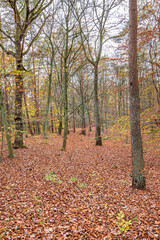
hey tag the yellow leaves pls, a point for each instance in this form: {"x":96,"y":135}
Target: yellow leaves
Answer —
{"x":105,"y":205}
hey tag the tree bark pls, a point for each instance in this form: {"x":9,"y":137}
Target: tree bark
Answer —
{"x":65,"y":105}
{"x":52,"y":128}
{"x":27,"y":114}
{"x":138,"y":178}
{"x":47,"y":106}
{"x":18,"y":143}
{"x":82,"y":99}
{"x":96,"y":107}
{"x":35,"y":90}
{"x":5,"y":125}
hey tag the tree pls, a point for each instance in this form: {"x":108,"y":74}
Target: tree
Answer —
{"x":68,"y":51}
{"x":92,"y":18}
{"x":51,"y":47}
{"x":5,"y":125}
{"x":138,"y":179}
{"x":22,"y":14}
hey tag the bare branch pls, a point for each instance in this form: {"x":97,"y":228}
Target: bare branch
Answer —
{"x":8,"y":52}
{"x":35,"y":38}
{"x":39,"y":10}
{"x":7,"y":35}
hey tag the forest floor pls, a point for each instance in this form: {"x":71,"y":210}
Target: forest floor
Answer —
{"x":84,"y":192}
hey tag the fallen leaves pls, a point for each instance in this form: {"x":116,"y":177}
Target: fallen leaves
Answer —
{"x":77,"y":194}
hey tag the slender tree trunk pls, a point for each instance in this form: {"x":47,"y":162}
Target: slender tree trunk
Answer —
{"x":96,"y":107}
{"x":65,"y":106}
{"x":60,"y":121}
{"x":73,"y":106}
{"x":5,"y":125}
{"x":2,"y":144}
{"x":47,"y":106}
{"x":27,"y":114}
{"x":52,"y":128}
{"x":35,"y":91}
{"x":62,"y":99}
{"x":105,"y":115}
{"x":157,"y":88}
{"x":82,"y":99}
{"x":49,"y":90}
{"x":138,"y":179}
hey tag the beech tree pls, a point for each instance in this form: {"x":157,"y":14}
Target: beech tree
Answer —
{"x":50,"y":46}
{"x":21,"y":15}
{"x":92,"y":17}
{"x":68,"y":50}
{"x":138,"y":179}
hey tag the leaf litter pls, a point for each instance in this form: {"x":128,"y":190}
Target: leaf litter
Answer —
{"x":84,"y":192}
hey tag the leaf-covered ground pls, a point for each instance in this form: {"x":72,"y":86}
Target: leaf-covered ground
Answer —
{"x":83,"y":193}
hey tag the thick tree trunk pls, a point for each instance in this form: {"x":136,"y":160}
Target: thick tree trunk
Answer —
{"x":18,"y":143}
{"x":96,"y":108}
{"x":138,"y":180}
{"x":6,"y":87}
{"x":5,"y":80}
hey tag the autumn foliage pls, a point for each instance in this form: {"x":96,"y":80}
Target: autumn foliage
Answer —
{"x":83,"y":193}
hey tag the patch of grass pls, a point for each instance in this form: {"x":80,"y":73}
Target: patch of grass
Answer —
{"x":82,"y":185}
{"x":73,"y":180}
{"x":44,"y":142}
{"x":123,"y":225}
{"x":125,"y":182}
{"x":51,"y":176}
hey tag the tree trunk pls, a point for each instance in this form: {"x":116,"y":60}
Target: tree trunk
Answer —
{"x":5,"y":87}
{"x":52,"y":128}
{"x":65,"y":106}
{"x":5,"y":125}
{"x":27,"y":114}
{"x":18,"y":143}
{"x":62,"y":99}
{"x":82,"y":99}
{"x":5,"y":80}
{"x":73,"y":106}
{"x":47,"y":106}
{"x":138,"y":179}
{"x":35,"y":91}
{"x":96,"y":108}
{"x":60,"y":121}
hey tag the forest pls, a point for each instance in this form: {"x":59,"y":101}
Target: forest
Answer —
{"x":80,"y":119}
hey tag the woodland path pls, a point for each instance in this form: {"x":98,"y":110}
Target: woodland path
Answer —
{"x":77,"y":194}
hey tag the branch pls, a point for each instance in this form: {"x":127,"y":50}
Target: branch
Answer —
{"x":34,"y":39}
{"x":8,"y":52}
{"x":11,"y":4}
{"x":40,"y":9}
{"x":7,"y":36}
{"x":87,"y":100}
